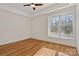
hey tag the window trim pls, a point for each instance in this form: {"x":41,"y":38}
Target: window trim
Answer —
{"x":59,"y":36}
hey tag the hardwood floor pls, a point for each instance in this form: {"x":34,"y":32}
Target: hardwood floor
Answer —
{"x":31,"y":46}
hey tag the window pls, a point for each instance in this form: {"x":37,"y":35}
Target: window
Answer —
{"x":61,"y":26}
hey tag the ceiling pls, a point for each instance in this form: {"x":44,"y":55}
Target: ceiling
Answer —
{"x":28,"y":11}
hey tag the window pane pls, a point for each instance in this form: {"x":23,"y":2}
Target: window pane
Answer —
{"x":61,"y":26}
{"x":54,"y":26}
{"x":66,"y":25}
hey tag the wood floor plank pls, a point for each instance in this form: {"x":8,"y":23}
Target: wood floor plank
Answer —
{"x":8,"y":49}
{"x":31,"y":46}
{"x":25,"y":49}
{"x":32,"y":51}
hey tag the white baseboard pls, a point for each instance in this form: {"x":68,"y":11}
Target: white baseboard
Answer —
{"x":3,"y":43}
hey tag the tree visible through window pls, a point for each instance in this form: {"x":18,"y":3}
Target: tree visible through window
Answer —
{"x":61,"y":25}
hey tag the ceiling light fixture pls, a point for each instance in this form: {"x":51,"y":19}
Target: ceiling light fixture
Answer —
{"x":33,"y":5}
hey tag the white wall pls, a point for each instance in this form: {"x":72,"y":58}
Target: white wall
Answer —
{"x":13,"y":27}
{"x":77,"y":27}
{"x":40,"y":28}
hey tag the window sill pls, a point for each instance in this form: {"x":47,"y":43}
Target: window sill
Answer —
{"x":62,"y":37}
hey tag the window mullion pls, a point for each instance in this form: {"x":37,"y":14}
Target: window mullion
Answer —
{"x":59,"y":26}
